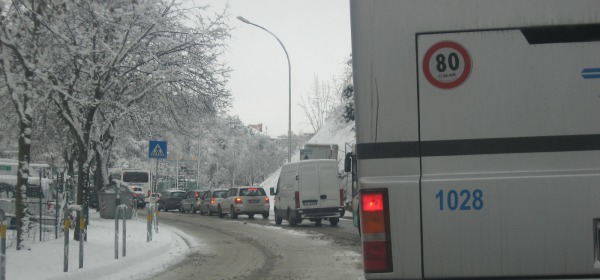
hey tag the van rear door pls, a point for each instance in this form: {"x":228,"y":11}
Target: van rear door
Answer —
{"x":308,"y":185}
{"x":329,"y":184}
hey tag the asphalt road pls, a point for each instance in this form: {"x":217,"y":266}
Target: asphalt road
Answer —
{"x":224,"y":248}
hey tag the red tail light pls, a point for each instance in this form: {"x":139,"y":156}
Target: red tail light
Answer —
{"x":375,"y":227}
{"x":238,"y":200}
{"x":148,"y":193}
{"x":134,"y":194}
{"x":212,"y":200}
{"x":297,"y":199}
{"x":266,"y":200}
{"x":341,"y":197}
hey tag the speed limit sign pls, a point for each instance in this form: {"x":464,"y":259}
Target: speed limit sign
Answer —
{"x":447,"y":64}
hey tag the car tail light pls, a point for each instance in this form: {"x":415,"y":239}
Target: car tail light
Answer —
{"x":148,"y":193}
{"x":212,"y":200}
{"x":238,"y":200}
{"x":134,"y":194}
{"x":375,"y":227}
{"x":197,"y":195}
{"x":266,"y":200}
{"x":297,"y":199}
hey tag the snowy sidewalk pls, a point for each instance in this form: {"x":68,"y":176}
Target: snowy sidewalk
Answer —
{"x":45,"y":259}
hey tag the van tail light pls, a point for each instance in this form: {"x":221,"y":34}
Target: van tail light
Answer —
{"x":297,"y":199}
{"x":375,"y":227}
{"x":341,"y":197}
{"x":238,"y":200}
{"x":266,"y":200}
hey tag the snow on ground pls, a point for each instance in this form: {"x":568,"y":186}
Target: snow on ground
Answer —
{"x":45,"y":259}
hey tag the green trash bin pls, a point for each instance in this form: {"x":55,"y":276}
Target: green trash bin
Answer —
{"x":107,"y":197}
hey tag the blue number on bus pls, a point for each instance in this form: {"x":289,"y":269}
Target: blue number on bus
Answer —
{"x":453,"y":199}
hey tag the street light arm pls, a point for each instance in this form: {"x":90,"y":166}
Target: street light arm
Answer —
{"x":289,"y":84}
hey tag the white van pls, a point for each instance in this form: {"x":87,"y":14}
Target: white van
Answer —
{"x":309,"y":189}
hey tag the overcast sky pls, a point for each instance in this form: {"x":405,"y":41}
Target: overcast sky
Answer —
{"x":316,"y":34}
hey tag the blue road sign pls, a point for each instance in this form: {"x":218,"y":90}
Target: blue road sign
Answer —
{"x":157,"y":149}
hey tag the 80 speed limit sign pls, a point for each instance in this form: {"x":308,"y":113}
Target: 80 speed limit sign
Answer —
{"x":447,"y":64}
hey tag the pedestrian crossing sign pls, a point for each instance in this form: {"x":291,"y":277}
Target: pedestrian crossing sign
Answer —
{"x":157,"y":149}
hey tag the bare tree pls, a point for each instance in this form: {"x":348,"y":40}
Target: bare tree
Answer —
{"x":319,"y":103}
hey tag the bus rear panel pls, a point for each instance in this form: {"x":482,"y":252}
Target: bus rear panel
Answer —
{"x":478,"y":138}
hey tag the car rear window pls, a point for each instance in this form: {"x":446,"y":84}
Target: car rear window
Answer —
{"x":220,"y":194}
{"x":178,"y":194}
{"x":252,"y":192}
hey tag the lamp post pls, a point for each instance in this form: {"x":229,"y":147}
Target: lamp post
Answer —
{"x":289,"y":85}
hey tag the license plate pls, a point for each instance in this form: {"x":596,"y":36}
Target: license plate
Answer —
{"x":310,"y":203}
{"x":253,"y":200}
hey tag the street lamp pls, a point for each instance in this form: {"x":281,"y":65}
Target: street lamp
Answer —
{"x":289,"y":85}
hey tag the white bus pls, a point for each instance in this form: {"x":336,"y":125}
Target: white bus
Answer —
{"x":134,"y":177}
{"x":478,"y":138}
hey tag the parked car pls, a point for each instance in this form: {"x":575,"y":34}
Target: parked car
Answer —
{"x":244,"y":201}
{"x":138,"y":195}
{"x":193,"y":201}
{"x":212,"y":201}
{"x":170,"y":199}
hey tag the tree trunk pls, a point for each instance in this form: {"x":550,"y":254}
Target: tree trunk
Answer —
{"x":22,"y":214}
{"x":81,"y":188}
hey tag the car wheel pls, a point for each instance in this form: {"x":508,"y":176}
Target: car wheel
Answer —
{"x":209,"y":212}
{"x":265,"y":215}
{"x":334,"y":221}
{"x":201,"y":211}
{"x":221,"y":215}
{"x":250,"y":216}
{"x":318,"y":222}
{"x":278,"y":219}
{"x":193,"y":210}
{"x":232,"y":213}
{"x":291,"y":218}
{"x":181,"y":209}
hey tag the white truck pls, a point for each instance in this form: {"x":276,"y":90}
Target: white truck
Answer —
{"x":478,"y":138}
{"x":319,"y":151}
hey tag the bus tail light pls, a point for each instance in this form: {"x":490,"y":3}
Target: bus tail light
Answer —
{"x":375,"y":227}
{"x":297,"y":199}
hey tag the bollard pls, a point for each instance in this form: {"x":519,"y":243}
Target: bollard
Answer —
{"x":82,"y":234}
{"x":68,"y":210}
{"x":2,"y":246}
{"x":149,"y":224}
{"x":120,"y":209}
{"x":156,"y":220}
{"x":66,"y":247}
